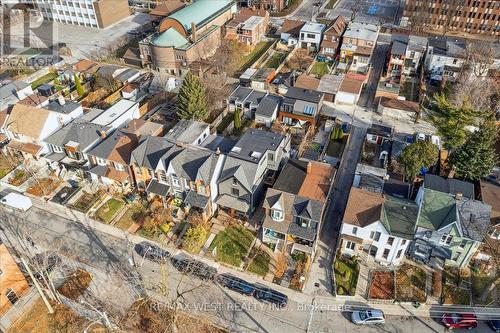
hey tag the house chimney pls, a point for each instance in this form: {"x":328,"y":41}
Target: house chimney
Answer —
{"x":459,"y":196}
{"x":217,"y":151}
{"x":61,"y":100}
{"x":451,"y":175}
{"x":103,"y":134}
{"x":193,"y":32}
{"x":309,"y":167}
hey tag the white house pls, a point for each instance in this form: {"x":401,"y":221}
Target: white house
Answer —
{"x":445,"y":57}
{"x":311,"y":35}
{"x":377,"y":226}
{"x":121,"y":112}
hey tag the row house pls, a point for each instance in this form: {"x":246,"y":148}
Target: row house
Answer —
{"x":358,"y":44}
{"x":311,"y":35}
{"x":27,"y":127}
{"x":256,"y":156}
{"x":300,"y":106}
{"x":254,"y":104}
{"x":444,"y":58}
{"x":290,"y":31}
{"x":332,"y":38}
{"x":248,"y":26}
{"x":109,"y":161}
{"x":414,"y":55}
{"x":295,"y":206}
{"x":378,"y":227}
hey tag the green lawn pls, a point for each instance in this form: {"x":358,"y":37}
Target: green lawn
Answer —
{"x":228,"y":119}
{"x":319,"y":69}
{"x":346,"y":276}
{"x":107,"y":211}
{"x":232,"y":244}
{"x":275,"y":60}
{"x":247,"y":60}
{"x":260,"y":263}
{"x":42,"y":80}
{"x":128,"y":219}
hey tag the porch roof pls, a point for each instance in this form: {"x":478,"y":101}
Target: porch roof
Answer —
{"x":234,"y":203}
{"x":302,"y":248}
{"x":195,"y":199}
{"x":352,"y":238}
{"x":158,"y":188}
{"x":278,"y":226}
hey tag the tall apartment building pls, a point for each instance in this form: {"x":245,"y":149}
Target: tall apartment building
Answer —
{"x":470,"y":16}
{"x":90,"y":13}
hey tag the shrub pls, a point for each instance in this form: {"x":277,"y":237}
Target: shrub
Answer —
{"x":195,"y":238}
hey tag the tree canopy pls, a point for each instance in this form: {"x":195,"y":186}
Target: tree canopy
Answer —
{"x":416,"y":156}
{"x":477,"y":156}
{"x":192,"y":100}
{"x":451,"y":120}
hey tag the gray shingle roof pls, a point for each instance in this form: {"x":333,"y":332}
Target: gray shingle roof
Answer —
{"x":150,"y":151}
{"x":307,"y":208}
{"x":256,"y":141}
{"x":68,"y":106}
{"x":195,"y":199}
{"x":240,"y":93}
{"x":267,"y":106}
{"x":194,"y":164}
{"x":307,"y":95}
{"x":474,"y":218}
{"x":448,"y":46}
{"x":399,"y":217}
{"x":399,"y":44}
{"x":84,"y":133}
{"x":126,"y":74}
{"x":449,"y":185}
{"x":186,"y":131}
{"x":156,"y":187}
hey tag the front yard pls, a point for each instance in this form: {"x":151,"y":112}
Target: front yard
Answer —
{"x":381,"y":285}
{"x":346,"y":276}
{"x":453,"y":291}
{"x":232,"y":245}
{"x":260,"y":262}
{"x":410,"y":284}
{"x":86,"y":201}
{"x":44,"y":186}
{"x":108,"y":211}
{"x":483,"y":292}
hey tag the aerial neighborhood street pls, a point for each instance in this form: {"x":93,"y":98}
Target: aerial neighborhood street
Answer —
{"x":250,"y":166}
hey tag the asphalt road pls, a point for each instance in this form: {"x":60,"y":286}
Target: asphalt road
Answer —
{"x":117,"y":284}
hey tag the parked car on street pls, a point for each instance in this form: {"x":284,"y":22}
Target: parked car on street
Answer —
{"x":152,"y":252}
{"x":17,"y":201}
{"x":459,"y":320}
{"x":270,"y":296}
{"x":494,"y":325}
{"x":236,"y":284}
{"x":181,"y":264}
{"x":202,"y":270}
{"x":367,"y":317}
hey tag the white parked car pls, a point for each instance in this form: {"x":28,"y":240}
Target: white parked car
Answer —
{"x":18,"y":201}
{"x":367,"y":317}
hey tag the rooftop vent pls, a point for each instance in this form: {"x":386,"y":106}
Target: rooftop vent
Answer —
{"x":236,"y":150}
{"x":256,"y":154}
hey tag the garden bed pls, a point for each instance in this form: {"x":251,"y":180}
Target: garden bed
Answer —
{"x":381,"y":285}
{"x":43,"y":79}
{"x":247,"y":60}
{"x":260,"y":262}
{"x":275,"y":60}
{"x":232,"y":245}
{"x":44,"y":186}
{"x":346,"y":276}
{"x":410,"y":284}
{"x":18,"y":177}
{"x":335,"y":148}
{"x":108,"y":210}
{"x":86,"y":201}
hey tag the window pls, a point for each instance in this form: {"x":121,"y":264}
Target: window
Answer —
{"x":403,"y":242}
{"x":390,"y":240}
{"x":11,"y":295}
{"x":446,"y":239}
{"x":350,"y":245}
{"x":179,"y":57}
{"x":277,"y":215}
{"x":235,"y":192}
{"x":56,"y":149}
{"x":463,"y":243}
{"x":119,"y":166}
{"x":175,"y":181}
{"x":304,"y":222}
{"x":311,"y":36}
{"x":375,"y":235}
{"x":399,"y":254}
{"x":101,"y":161}
{"x":309,"y":110}
{"x":354,"y":230}
{"x":270,"y":157}
{"x":455,"y":256}
{"x":385,"y":255}
{"x":163,"y":176}
{"x":235,"y":182}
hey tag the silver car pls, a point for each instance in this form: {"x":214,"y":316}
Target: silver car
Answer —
{"x":367,"y":317}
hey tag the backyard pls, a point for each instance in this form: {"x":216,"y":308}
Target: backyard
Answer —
{"x":410,"y":284}
{"x":275,"y":60}
{"x":453,"y":291}
{"x":43,"y":79}
{"x":319,"y":69}
{"x":19,"y":177}
{"x":86,"y":201}
{"x":44,"y":186}
{"x":346,"y":276}
{"x":232,"y":245}
{"x":260,"y":262}
{"x":108,"y":211}
{"x":248,"y":58}
{"x":5,"y":166}
{"x":381,"y":285}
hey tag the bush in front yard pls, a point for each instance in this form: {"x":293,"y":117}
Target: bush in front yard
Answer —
{"x":194,"y":238}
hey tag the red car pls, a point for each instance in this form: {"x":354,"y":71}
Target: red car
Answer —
{"x":459,"y":320}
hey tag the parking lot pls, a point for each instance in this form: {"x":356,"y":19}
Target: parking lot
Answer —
{"x":371,"y":11}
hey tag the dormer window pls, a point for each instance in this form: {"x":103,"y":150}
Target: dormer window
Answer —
{"x":446,"y":239}
{"x":277,"y":215}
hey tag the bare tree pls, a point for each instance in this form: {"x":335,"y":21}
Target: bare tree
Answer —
{"x":418,"y":19}
{"x":357,"y":5}
{"x":300,"y":60}
{"x":478,"y":58}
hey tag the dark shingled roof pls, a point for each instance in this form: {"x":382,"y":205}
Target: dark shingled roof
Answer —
{"x":400,"y":217}
{"x":267,"y":106}
{"x":307,"y":95}
{"x":195,"y":199}
{"x":156,"y":187}
{"x":292,"y":176}
{"x":449,"y":185}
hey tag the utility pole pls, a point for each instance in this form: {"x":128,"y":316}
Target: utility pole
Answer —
{"x":37,"y":286}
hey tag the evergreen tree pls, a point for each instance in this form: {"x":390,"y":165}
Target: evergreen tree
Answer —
{"x":416,"y":156}
{"x":79,"y":88}
{"x":477,"y":156}
{"x":192,"y":100}
{"x":237,"y":119}
{"x":450,"y":121}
